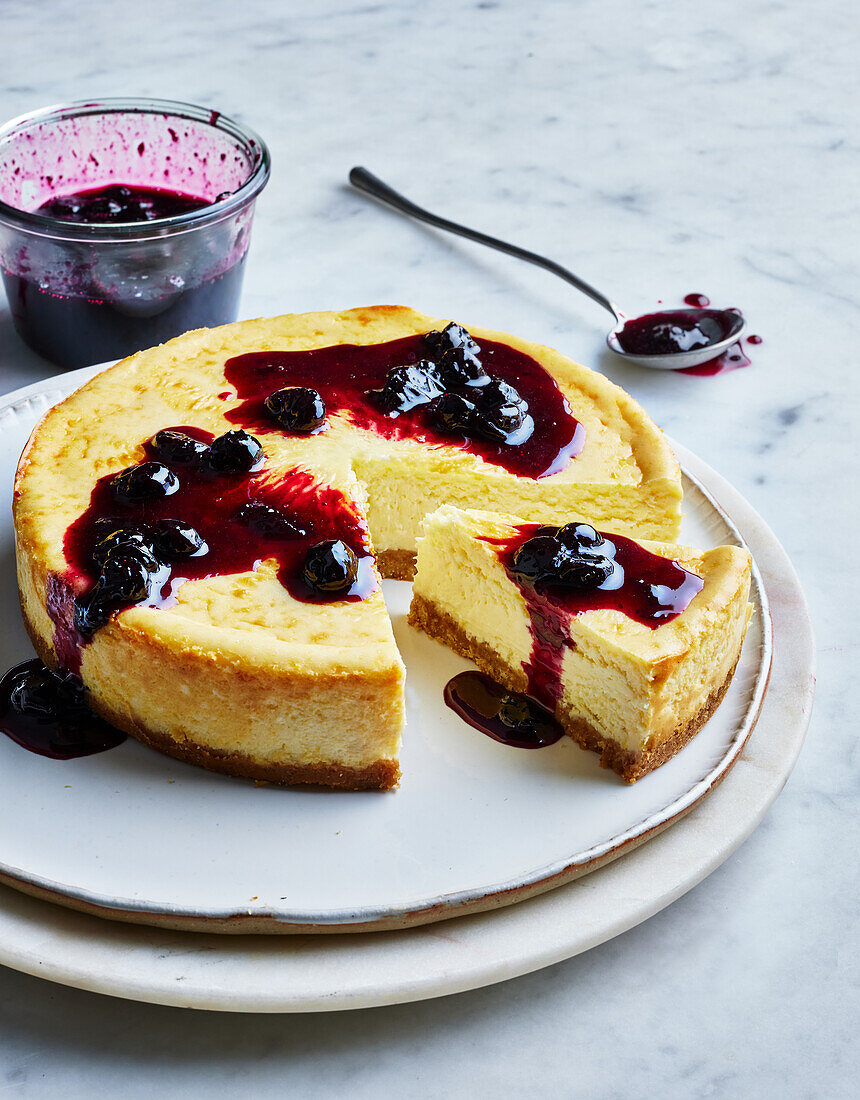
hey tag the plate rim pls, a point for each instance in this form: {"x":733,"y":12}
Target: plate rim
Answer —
{"x":332,"y":973}
{"x":445,"y":906}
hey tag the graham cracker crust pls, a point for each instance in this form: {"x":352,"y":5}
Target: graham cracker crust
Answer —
{"x":630,"y":765}
{"x":381,"y":775}
{"x":396,"y":565}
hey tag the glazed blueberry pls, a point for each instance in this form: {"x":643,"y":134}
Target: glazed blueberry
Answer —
{"x":127,"y":538}
{"x":578,"y":571}
{"x":519,"y":712}
{"x":42,"y":693}
{"x":235,"y":452}
{"x":91,"y":612}
{"x":173,"y":446}
{"x":297,"y":408}
{"x":271,"y":522}
{"x":452,"y":336}
{"x":580,"y":536}
{"x":407,"y":387}
{"x":331,"y":568}
{"x":146,"y":481}
{"x":458,"y":369}
{"x":453,"y":413}
{"x":538,"y":559}
{"x":174,"y":539}
{"x":125,"y":578}
{"x":502,"y":416}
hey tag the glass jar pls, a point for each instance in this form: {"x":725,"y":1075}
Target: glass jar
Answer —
{"x":84,"y":293}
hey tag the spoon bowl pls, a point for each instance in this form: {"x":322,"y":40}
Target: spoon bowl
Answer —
{"x":733,"y":326}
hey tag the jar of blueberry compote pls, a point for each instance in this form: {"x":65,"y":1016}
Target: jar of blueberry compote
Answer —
{"x":123,"y":223}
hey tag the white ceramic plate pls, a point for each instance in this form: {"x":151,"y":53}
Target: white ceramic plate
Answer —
{"x":474,"y":825}
{"x":326,"y":973}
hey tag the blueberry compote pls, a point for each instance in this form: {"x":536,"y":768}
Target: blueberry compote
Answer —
{"x":507,"y":716}
{"x":90,"y":307}
{"x":201,"y":507}
{"x":117,"y":202}
{"x":672,"y":331}
{"x":440,"y":387}
{"x":563,"y":572}
{"x":47,"y":713}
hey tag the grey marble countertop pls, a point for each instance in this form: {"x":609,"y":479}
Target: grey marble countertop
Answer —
{"x":657,"y":148}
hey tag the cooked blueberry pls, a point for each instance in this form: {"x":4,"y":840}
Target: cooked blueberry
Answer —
{"x":271,"y":522}
{"x":123,"y":538}
{"x":498,"y":392}
{"x":174,"y":539}
{"x":538,"y":559}
{"x":297,"y":408}
{"x":521,"y":713}
{"x":453,"y":413}
{"x":146,"y":481}
{"x":580,"y":535}
{"x":125,"y":578}
{"x":585,"y":572}
{"x":407,"y":387}
{"x":44,"y":694}
{"x":452,"y":336}
{"x":235,"y":452}
{"x":173,"y":446}
{"x":91,"y":612}
{"x":458,"y":369}
{"x":331,"y":568}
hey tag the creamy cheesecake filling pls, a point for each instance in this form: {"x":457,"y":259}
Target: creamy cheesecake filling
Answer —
{"x":632,"y":692}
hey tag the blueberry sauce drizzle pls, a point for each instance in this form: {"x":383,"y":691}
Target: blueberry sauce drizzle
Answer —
{"x":117,"y":203}
{"x":348,"y":377}
{"x":507,"y":716}
{"x":242,"y":518}
{"x":47,"y":713}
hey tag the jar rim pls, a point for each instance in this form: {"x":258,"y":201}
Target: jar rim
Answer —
{"x":220,"y":209}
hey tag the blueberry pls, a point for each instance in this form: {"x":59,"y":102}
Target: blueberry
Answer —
{"x":503,"y":415}
{"x":453,"y":413}
{"x":452,"y":336}
{"x":146,"y":481}
{"x":271,"y":522}
{"x":519,"y":712}
{"x":235,"y":452}
{"x":126,"y":539}
{"x":455,"y":369}
{"x":538,"y":559}
{"x":125,"y":578}
{"x":173,"y":446}
{"x":331,"y":568}
{"x":175,"y":539}
{"x":91,"y":612}
{"x":580,"y":536}
{"x":297,"y":408}
{"x":407,"y":387}
{"x":578,"y":571}
{"x":43,"y":694}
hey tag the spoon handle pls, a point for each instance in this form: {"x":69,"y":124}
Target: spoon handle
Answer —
{"x":365,"y":181}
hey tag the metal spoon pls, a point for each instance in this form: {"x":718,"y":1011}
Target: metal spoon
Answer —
{"x":732,"y":322}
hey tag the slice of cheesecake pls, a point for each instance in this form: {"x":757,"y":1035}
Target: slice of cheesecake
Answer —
{"x":632,"y":645}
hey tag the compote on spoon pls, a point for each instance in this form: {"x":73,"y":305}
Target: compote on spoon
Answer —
{"x":670,"y":340}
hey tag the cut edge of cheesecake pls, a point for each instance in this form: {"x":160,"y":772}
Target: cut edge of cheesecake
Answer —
{"x":668,"y":681}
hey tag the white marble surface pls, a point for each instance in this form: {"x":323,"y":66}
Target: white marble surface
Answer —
{"x":658,"y":148}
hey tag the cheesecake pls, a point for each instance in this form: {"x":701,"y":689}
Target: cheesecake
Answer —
{"x":629,"y":644}
{"x":201,"y":529}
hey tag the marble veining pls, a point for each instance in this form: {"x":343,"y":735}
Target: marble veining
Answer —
{"x":657,"y":149}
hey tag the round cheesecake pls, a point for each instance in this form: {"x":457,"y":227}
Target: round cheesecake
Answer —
{"x":238,"y":670}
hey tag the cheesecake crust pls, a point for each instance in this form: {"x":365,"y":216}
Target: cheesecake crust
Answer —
{"x":396,"y":565}
{"x":630,"y":766}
